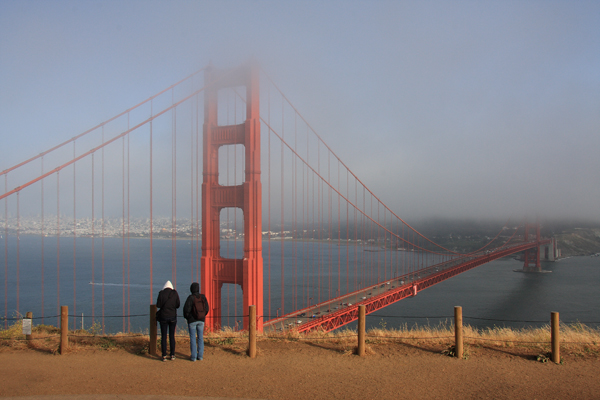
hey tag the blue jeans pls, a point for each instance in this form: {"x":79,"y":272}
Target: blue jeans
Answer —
{"x":196,"y":340}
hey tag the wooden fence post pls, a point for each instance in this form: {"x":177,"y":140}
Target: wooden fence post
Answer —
{"x":555,"y":337}
{"x":361,"y":330}
{"x":64,"y":329}
{"x":252,"y":332}
{"x":153,"y":333}
{"x":29,"y":315}
{"x":458,"y":334}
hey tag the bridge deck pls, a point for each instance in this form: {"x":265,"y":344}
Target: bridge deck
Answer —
{"x":342,"y":310}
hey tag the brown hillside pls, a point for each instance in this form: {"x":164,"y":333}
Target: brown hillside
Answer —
{"x":579,"y":242}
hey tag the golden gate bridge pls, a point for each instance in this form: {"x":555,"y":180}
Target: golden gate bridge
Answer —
{"x":242,"y":173}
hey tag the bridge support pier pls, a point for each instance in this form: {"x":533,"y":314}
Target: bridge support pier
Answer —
{"x":532,"y":257}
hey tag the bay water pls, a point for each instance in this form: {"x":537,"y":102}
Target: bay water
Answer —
{"x":109,"y":283}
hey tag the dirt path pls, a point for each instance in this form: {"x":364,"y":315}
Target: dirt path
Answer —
{"x":294,"y":370}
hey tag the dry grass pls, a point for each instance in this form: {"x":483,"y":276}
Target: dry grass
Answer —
{"x":576,"y":339}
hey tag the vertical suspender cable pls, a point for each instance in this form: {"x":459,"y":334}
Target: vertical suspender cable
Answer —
{"x":294,"y":202}
{"x":319,"y":217}
{"x":385,"y":250}
{"x":18,"y":249}
{"x":313,"y":236}
{"x":317,"y":235}
{"x":242,"y":180}
{"x":151,"y":216}
{"x":419,"y":254}
{"x":103,"y":226}
{"x":128,"y":235}
{"x":235,"y":209}
{"x":197,"y":186}
{"x":303,"y":236}
{"x":93,"y":244}
{"x":370,"y":236}
{"x":339,"y":229}
{"x":57,"y":247}
{"x":393,"y":249}
{"x":366,"y":235}
{"x":347,"y":231}
{"x":329,"y":224}
{"x":74,"y":242}
{"x":305,"y":218}
{"x":227,"y":249}
{"x":281,"y":220}
{"x":5,"y":253}
{"x":307,"y":224}
{"x":409,"y":253}
{"x":174,"y":192}
{"x":192,"y":184}
{"x":379,"y":241}
{"x":269,"y":196}
{"x":403,"y":270}
{"x":123,"y":227}
{"x":355,"y":221}
{"x":42,"y":230}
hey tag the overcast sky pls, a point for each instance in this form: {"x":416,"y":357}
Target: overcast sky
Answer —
{"x":456,"y":109}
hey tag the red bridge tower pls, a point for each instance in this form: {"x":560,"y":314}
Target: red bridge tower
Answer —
{"x":215,"y":269}
{"x":532,"y":256}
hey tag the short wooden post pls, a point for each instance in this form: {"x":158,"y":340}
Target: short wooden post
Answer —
{"x":555,"y":337}
{"x":64,"y":329}
{"x":361,"y":330}
{"x":252,"y":332}
{"x":458,"y":334}
{"x":153,"y":330}
{"x":28,"y":315}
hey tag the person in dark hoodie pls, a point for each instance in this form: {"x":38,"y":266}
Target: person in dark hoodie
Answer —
{"x":196,"y":320}
{"x":167,"y":304}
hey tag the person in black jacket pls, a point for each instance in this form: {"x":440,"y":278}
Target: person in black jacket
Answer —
{"x":167,"y":303}
{"x":196,"y":322}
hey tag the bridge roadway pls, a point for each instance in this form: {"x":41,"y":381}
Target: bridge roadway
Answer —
{"x":342,"y":310}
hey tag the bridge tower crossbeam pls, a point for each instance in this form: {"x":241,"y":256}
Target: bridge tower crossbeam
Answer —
{"x":215,"y":269}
